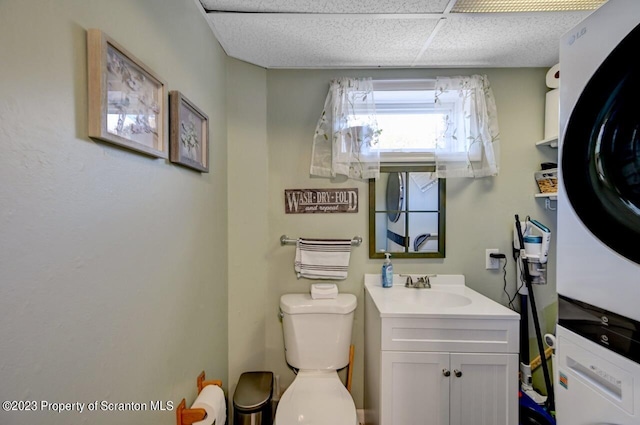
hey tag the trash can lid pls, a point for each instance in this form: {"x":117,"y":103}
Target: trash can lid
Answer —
{"x":254,"y":390}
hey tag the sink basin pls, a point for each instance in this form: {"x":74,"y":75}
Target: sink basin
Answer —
{"x":430,"y":298}
{"x":448,"y":297}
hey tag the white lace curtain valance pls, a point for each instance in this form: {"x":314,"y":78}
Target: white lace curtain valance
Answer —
{"x":346,"y":135}
{"x":467,"y":145}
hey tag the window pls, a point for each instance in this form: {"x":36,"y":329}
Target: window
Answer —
{"x":409,"y":120}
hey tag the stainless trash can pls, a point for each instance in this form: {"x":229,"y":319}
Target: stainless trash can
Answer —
{"x":252,"y":399}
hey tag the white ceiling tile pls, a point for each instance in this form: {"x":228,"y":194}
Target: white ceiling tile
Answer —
{"x":328,"y":6}
{"x":385,"y":33}
{"x":499,"y":40}
{"x":308,"y":41}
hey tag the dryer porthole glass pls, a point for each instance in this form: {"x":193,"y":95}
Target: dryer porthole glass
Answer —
{"x":601,"y":152}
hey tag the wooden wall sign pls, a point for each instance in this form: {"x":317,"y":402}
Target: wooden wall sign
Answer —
{"x":311,"y":201}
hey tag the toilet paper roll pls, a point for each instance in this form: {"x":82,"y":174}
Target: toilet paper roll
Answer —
{"x":551,"y":114}
{"x":553,"y":77}
{"x":212,"y":400}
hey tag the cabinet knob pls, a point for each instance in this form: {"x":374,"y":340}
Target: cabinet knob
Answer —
{"x":445,"y":372}
{"x":457,"y":373}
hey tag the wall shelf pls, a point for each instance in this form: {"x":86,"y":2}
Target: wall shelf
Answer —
{"x":552,"y":196}
{"x":552,"y":142}
{"x":548,"y":197}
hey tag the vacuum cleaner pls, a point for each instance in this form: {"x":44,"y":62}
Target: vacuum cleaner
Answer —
{"x":531,"y":251}
{"x":531,"y":413}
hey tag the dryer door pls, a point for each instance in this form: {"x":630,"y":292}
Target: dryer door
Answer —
{"x":601,"y":151}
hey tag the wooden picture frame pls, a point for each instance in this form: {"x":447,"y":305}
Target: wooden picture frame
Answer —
{"x":127,"y":100}
{"x":189,"y":133}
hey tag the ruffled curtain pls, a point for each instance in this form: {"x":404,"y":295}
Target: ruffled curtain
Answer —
{"x":469,"y":144}
{"x":346,"y":136}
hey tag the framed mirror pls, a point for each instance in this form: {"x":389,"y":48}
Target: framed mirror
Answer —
{"x":407,"y":213}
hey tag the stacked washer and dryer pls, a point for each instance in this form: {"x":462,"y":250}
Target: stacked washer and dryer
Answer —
{"x":597,"y":361}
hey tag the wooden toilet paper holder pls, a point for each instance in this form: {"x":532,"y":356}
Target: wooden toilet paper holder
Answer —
{"x":186,"y":416}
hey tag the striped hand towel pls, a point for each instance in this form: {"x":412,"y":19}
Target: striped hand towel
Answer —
{"x":322,"y":258}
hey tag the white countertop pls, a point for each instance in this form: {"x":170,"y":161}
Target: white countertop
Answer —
{"x":448,"y":297}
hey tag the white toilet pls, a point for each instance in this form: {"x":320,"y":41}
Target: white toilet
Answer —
{"x":317,"y":336}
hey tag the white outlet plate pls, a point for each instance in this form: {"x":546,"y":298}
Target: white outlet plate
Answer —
{"x":492,"y":263}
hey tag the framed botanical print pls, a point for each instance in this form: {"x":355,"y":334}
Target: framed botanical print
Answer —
{"x":189,"y":133}
{"x":127,"y":100}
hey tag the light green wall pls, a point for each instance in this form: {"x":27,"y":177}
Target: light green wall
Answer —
{"x":113,"y":265}
{"x":248,"y":217}
{"x":480,"y":214}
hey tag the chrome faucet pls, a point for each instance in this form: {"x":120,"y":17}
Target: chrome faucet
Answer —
{"x":409,"y":282}
{"x":421,"y":282}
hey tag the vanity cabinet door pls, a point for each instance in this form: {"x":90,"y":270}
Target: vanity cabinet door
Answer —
{"x":414,"y":388}
{"x":484,"y":389}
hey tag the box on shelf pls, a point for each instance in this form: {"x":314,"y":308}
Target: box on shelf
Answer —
{"x":547,"y":180}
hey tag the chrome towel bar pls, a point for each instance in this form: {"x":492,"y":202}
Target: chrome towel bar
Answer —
{"x":285,"y":240}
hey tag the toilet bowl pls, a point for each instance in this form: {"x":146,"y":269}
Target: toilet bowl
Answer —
{"x":317,"y":336}
{"x":316,"y":398}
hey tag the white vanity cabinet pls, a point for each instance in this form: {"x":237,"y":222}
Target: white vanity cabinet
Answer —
{"x":416,"y":389}
{"x":438,"y":367}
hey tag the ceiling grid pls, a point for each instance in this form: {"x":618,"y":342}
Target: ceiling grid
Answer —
{"x":395,"y":34}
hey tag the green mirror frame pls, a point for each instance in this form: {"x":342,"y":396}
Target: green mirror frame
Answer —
{"x":373,"y":212}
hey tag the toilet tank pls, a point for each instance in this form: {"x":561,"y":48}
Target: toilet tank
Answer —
{"x":317,"y":333}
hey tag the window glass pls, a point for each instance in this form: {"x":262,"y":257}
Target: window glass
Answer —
{"x":408,"y":119}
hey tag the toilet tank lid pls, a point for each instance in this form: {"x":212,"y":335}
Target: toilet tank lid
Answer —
{"x":304,"y":304}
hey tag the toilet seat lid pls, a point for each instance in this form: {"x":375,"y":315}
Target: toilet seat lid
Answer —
{"x":316,"y":398}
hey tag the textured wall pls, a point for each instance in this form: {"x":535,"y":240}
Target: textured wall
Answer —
{"x":113,"y":265}
{"x":480,"y":214}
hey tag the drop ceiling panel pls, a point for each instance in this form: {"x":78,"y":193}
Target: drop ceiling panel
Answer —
{"x":320,"y":41}
{"x":328,"y":6}
{"x":499,"y":40}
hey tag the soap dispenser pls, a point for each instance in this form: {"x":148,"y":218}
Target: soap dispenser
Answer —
{"x":387,"y":271}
